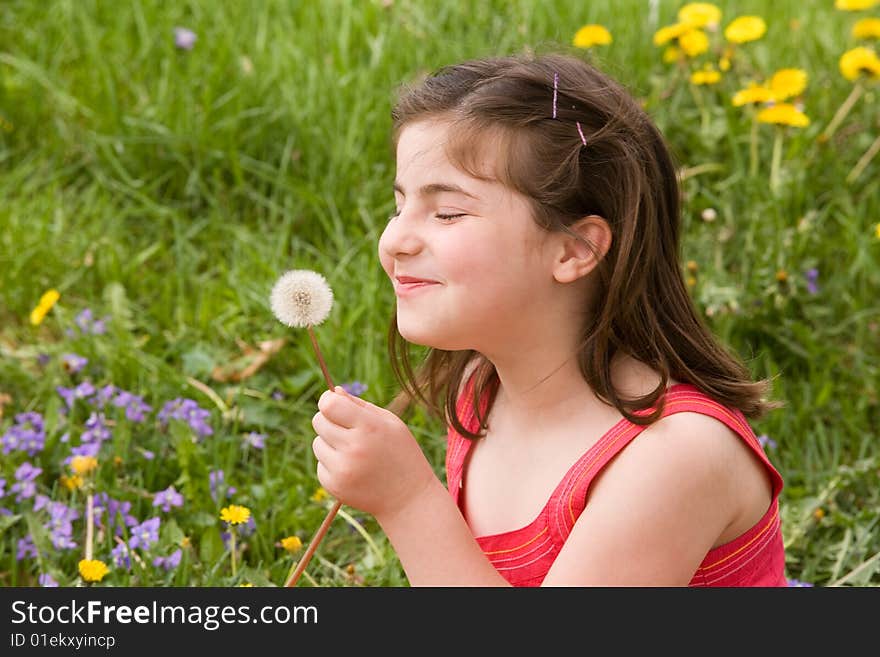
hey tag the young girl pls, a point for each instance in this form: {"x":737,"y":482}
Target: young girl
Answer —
{"x":597,"y":430}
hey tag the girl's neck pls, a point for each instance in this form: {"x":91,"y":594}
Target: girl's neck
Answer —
{"x":544,"y":396}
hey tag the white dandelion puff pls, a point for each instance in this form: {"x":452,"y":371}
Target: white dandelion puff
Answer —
{"x":301,"y":298}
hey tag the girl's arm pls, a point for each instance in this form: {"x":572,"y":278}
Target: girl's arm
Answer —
{"x":435,"y":545}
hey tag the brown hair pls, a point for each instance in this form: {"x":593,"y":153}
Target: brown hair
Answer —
{"x":625,"y":174}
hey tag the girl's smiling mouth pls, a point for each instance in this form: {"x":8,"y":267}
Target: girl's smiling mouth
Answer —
{"x":405,"y":286}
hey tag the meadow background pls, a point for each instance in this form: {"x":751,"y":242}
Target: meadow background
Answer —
{"x":161,"y":184}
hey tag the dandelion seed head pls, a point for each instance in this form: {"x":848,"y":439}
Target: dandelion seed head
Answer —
{"x":301,"y":298}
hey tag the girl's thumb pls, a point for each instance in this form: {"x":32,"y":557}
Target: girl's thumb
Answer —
{"x":355,"y":399}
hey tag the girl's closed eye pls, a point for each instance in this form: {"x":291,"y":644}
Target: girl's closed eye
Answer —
{"x":448,"y":217}
{"x":439,"y":215}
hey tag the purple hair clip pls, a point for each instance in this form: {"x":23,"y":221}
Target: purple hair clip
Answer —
{"x":555,"y":91}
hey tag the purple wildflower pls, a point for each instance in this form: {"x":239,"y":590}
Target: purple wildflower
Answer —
{"x":184,"y":39}
{"x":277,"y":395}
{"x":217,"y":483}
{"x":73,"y":363}
{"x":812,"y":276}
{"x":118,"y":513}
{"x":168,"y":498}
{"x":121,"y":556}
{"x":60,"y":523}
{"x":47,"y":581}
{"x":170,"y":562}
{"x":255,"y":440}
{"x":26,"y":548}
{"x":86,"y":449}
{"x":27,"y":434}
{"x":96,"y":429}
{"x":134,"y":405}
{"x":797,"y":582}
{"x":24,"y":484}
{"x":242,"y":531}
{"x":2,"y":487}
{"x":148,"y":454}
{"x":83,"y":391}
{"x":355,"y":388}
{"x":43,"y":359}
{"x":765,"y":442}
{"x":145,"y":534}
{"x":104,"y":395}
{"x":87,"y":324}
{"x":188,"y":411}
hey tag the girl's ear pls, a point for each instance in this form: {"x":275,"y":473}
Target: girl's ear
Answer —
{"x":577,"y":258}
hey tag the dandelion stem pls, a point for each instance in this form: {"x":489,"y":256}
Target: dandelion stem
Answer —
{"x":842,"y":111}
{"x":753,"y":147}
{"x":90,"y":525}
{"x":704,"y":113}
{"x":313,"y":545}
{"x":777,"y":159}
{"x":869,"y":154}
{"x":232,"y":546}
{"x":320,"y":359}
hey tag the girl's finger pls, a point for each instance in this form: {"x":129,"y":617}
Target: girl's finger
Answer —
{"x":340,"y":407}
{"x":332,"y":433}
{"x":323,"y":451}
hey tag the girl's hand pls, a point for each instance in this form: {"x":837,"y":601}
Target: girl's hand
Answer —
{"x":367,"y":456}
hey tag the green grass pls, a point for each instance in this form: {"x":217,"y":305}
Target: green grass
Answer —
{"x":168,"y":189}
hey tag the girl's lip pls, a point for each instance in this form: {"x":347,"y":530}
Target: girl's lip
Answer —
{"x":407,"y":289}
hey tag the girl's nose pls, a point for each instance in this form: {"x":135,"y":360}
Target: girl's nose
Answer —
{"x":400,"y":237}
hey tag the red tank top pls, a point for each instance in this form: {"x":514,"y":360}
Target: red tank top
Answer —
{"x":523,"y":556}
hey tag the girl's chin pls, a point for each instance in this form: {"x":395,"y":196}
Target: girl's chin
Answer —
{"x":423,"y":337}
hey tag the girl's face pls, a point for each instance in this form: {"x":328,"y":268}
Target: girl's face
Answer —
{"x":476,"y":239}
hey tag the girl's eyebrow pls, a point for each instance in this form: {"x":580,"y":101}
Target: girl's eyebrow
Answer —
{"x":436,"y":188}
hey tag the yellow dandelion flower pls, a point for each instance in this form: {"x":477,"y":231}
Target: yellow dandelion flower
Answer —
{"x":185,"y":542}
{"x":592,"y":35}
{"x":671,"y":32}
{"x":71,"y":483}
{"x":867,"y":28}
{"x":93,"y":570}
{"x":724,"y":63}
{"x":877,"y":231}
{"x":235,"y":514}
{"x":245,"y":585}
{"x":671,"y":54}
{"x":819,"y":513}
{"x":692,"y":266}
{"x":857,"y":61}
{"x":700,"y":14}
{"x":705,"y":76}
{"x":784,"y":114}
{"x":291,"y":543}
{"x":691,"y":281}
{"x":854,"y":5}
{"x":694,"y":42}
{"x":745,"y":28}
{"x":319,"y":495}
{"x":754,"y":93}
{"x":83,"y":465}
{"x":45,"y":304}
{"x":788,"y":82}
{"x":782,"y":276}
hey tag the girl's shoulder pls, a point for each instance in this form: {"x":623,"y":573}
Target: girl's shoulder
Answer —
{"x":699,"y":458}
